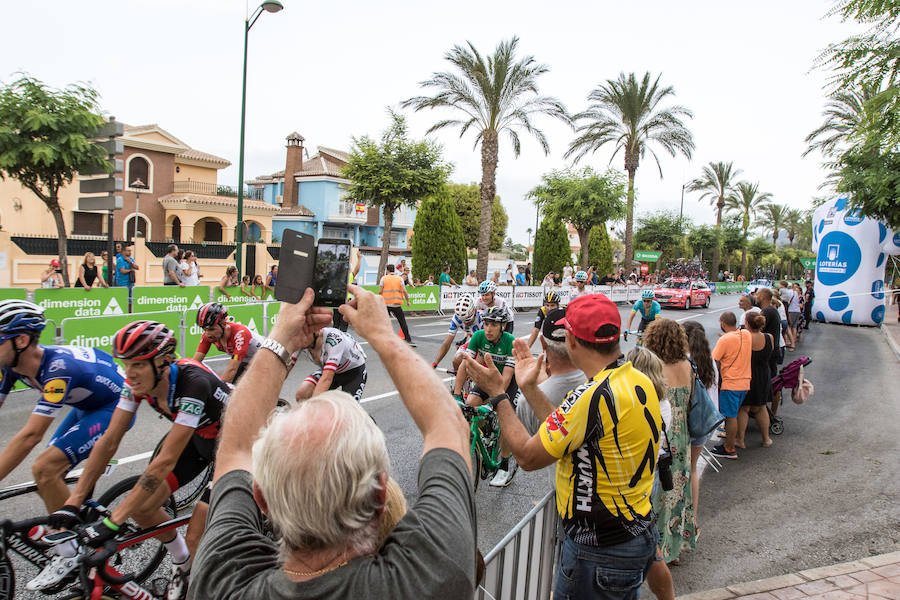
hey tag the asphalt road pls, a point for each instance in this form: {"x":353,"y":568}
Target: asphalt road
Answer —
{"x":821,"y":494}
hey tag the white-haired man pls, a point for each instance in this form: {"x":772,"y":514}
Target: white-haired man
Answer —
{"x":320,"y":473}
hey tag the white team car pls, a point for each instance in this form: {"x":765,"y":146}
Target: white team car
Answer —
{"x":758,"y":284}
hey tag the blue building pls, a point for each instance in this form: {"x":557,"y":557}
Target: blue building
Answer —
{"x":312,"y":200}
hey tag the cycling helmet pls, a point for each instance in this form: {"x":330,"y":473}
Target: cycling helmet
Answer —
{"x":143,"y":340}
{"x":465,"y":308}
{"x":551,"y":297}
{"x":18,"y":317}
{"x":647,"y":295}
{"x":495,"y":314}
{"x":580,"y":276}
{"x":487,"y":287}
{"x":211,"y":313}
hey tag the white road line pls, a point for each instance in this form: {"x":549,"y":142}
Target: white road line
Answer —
{"x":395,"y":392}
{"x":361,"y":342}
{"x":77,"y":472}
{"x":712,"y":312}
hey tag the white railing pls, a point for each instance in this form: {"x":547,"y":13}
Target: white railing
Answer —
{"x":347,"y":211}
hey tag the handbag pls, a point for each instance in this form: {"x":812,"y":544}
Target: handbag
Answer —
{"x":703,"y":415}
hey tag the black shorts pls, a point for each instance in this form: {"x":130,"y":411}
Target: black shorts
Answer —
{"x":511,"y":391}
{"x":353,"y":381}
{"x":240,"y":371}
{"x":196,"y":456}
{"x":643,"y":324}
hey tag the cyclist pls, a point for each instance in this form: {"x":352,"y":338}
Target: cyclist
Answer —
{"x":580,"y":280}
{"x":493,"y":342}
{"x":489,"y":299}
{"x":551,"y":302}
{"x":229,"y":337}
{"x":465,"y":318}
{"x":342,"y":365}
{"x":86,"y":379}
{"x":648,"y":308}
{"x":193,"y":398}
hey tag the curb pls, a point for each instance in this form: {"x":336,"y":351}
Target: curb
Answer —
{"x":762,"y":586}
{"x":890,"y":340}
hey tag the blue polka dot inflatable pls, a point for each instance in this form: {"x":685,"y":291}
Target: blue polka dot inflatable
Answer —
{"x":850,"y":260}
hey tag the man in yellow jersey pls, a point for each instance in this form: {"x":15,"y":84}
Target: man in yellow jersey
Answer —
{"x":604,"y":438}
{"x":394,"y":293}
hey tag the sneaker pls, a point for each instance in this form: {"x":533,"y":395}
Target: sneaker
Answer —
{"x":178,"y":585}
{"x":56,"y":571}
{"x":505,"y":476}
{"x":721,"y":451}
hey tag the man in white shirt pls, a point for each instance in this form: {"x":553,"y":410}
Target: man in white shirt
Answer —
{"x":746,"y":304}
{"x":567,"y":272}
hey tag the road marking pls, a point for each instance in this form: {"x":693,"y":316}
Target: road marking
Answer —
{"x":78,"y":472}
{"x":712,"y":312}
{"x":395,"y":392}
{"x":361,"y":342}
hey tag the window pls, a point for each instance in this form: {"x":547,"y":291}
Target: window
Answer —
{"x":176,"y":230}
{"x":142,"y":229}
{"x":86,"y":223}
{"x":138,"y":174}
{"x":254,"y":233}
{"x":213,"y":232}
{"x":335,"y":232}
{"x":395,"y":239}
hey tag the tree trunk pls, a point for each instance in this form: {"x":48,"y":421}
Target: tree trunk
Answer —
{"x":583,"y":235}
{"x":744,"y":263}
{"x":61,"y":245}
{"x":716,"y":256}
{"x":388,"y":211}
{"x":631,"y":168}
{"x":489,"y":150}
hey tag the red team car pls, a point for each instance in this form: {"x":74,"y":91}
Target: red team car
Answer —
{"x":683,"y":293}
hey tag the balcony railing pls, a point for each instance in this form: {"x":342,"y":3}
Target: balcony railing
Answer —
{"x":347,"y":211}
{"x":215,"y":189}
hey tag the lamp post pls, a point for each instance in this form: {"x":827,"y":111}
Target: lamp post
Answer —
{"x":272,"y":6}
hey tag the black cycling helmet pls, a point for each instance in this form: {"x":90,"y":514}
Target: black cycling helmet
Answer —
{"x":551,"y":297}
{"x":495,"y":314}
{"x":211,"y":313}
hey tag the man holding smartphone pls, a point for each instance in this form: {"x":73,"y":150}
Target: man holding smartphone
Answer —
{"x":394,"y":293}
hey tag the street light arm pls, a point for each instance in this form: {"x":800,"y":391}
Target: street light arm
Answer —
{"x":254,"y":17}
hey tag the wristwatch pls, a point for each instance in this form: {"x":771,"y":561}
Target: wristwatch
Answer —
{"x":279,"y":351}
{"x":496,"y":400}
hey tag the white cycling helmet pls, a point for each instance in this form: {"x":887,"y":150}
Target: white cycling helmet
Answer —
{"x":465,"y":308}
{"x":580,"y":276}
{"x":487,"y":287}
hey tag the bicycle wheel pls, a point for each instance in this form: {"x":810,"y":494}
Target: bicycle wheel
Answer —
{"x":476,"y":464}
{"x":143,"y":558}
{"x":187,"y":494}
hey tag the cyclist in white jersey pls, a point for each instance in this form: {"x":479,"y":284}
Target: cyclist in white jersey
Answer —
{"x":466,"y":318}
{"x":580,"y":290}
{"x":489,"y":299}
{"x":342,"y":362}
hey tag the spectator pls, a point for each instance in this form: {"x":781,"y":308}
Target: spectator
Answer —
{"x":245,"y":283}
{"x":760,"y":382}
{"x":675,"y":508}
{"x":445,"y":277}
{"x":801,"y":320}
{"x":808,"y":296}
{"x":406,"y":277}
{"x":508,"y":277}
{"x":548,"y":280}
{"x":263,"y":288}
{"x":394,"y":293}
{"x":416,"y":282}
{"x":401,"y":265}
{"x":745,"y":303}
{"x":229,"y":279}
{"x":732,"y":355}
{"x":170,"y":267}
{"x":104,"y":256}
{"x":430,"y":280}
{"x":496,"y":277}
{"x":567,"y":271}
{"x":125,"y":268}
{"x":764,"y":299}
{"x":607,"y":279}
{"x":320,"y":473}
{"x":521,"y":277}
{"x":88,"y":273}
{"x":190,"y":270}
{"x":620,"y":433}
{"x":51,"y":277}
{"x":471,"y":279}
{"x":792,"y":311}
{"x":272,"y":277}
{"x":528,"y":278}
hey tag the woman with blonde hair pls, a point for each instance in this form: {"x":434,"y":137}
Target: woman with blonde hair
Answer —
{"x":89,"y":274}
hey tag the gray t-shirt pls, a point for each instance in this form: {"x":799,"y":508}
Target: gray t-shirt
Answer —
{"x":556,"y":388}
{"x":429,"y":554}
{"x":170,"y":264}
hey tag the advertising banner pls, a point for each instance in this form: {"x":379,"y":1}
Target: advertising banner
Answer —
{"x":420,"y":298}
{"x":169,"y":298}
{"x":449,"y":295}
{"x":98,"y":332}
{"x":238,"y":297}
{"x":250,"y":315}
{"x":528,"y":296}
{"x":78,"y":302}
{"x":647,"y":255}
{"x":13,"y":293}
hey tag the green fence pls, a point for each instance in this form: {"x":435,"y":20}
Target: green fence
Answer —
{"x":168,"y":298}
{"x":77,"y":302}
{"x":98,"y":332}
{"x":251,"y":315}
{"x":427,"y":297}
{"x":238,"y":297}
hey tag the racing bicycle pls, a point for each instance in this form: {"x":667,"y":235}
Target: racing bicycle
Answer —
{"x":484,"y":433}
{"x":638,"y":334}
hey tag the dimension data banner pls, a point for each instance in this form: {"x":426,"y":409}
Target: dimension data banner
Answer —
{"x":98,"y":332}
{"x":78,"y":302}
{"x":169,"y":297}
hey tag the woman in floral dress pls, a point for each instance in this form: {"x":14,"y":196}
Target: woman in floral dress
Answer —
{"x":675,"y":509}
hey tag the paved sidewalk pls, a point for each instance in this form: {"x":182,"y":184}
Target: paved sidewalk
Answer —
{"x":875,"y":577}
{"x":891,"y":329}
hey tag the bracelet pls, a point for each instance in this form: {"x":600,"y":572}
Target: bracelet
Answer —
{"x":278,"y":350}
{"x":110,"y":524}
{"x":496,"y":400}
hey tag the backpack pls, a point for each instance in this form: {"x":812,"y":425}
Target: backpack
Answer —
{"x":703,"y":415}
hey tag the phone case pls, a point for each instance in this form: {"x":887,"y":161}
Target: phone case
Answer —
{"x":295,"y":266}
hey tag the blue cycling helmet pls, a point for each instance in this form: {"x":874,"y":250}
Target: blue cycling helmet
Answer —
{"x":487,"y":287}
{"x":580,"y":276}
{"x":20,"y":316}
{"x":647,"y":295}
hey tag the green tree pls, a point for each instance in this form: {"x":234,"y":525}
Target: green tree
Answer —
{"x":395,"y":172}
{"x":583,"y":198}
{"x":627,"y":113}
{"x":747,"y":202}
{"x":438,"y":241}
{"x":716,"y":183}
{"x":493,"y":97}
{"x":758,"y":248}
{"x":773,"y":217}
{"x":870,"y":174}
{"x":792,"y":223}
{"x":600,"y":253}
{"x":551,"y":248}
{"x":733,"y":238}
{"x":804,"y":236}
{"x":702,"y":239}
{"x":45,"y":139}
{"x":660,"y":231}
{"x":467,"y":202}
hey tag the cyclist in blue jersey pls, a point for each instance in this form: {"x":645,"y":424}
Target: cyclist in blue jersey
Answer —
{"x":85,"y":379}
{"x":647,"y":307}
{"x":467,"y":319}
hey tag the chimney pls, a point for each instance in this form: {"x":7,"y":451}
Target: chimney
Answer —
{"x":292,"y":165}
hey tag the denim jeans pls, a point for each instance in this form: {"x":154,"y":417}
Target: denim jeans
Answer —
{"x":605,"y":572}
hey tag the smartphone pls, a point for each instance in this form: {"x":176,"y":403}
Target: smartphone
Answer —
{"x":332,"y":272}
{"x":295,"y":266}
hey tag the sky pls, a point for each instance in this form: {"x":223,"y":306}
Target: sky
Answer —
{"x":330,"y":70}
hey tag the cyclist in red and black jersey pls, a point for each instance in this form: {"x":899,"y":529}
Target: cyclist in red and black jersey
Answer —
{"x":229,"y":337}
{"x":193,"y":398}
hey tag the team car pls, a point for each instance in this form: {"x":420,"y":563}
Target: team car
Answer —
{"x":684,"y":293}
{"x":758,"y":284}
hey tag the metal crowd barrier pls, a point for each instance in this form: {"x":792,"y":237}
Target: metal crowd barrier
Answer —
{"x":522,"y":565}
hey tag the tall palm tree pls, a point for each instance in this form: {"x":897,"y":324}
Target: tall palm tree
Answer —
{"x":716,"y":183}
{"x":493,"y":95}
{"x":772,"y":218}
{"x":746,"y":202}
{"x":792,"y":223}
{"x":626,"y":112}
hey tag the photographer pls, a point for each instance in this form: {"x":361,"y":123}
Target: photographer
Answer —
{"x":51,"y":277}
{"x":319,"y":472}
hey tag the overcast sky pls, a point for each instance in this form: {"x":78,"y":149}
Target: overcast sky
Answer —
{"x":329,"y":70}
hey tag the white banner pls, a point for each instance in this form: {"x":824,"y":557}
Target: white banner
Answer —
{"x":528,"y":296}
{"x":450,"y":294}
{"x":533,"y":296}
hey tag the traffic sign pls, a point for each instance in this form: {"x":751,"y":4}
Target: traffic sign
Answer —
{"x":99,"y":186}
{"x":111,"y":202}
{"x":647,"y":255}
{"x":644,"y":268}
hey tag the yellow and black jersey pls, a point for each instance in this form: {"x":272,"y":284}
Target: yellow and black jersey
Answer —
{"x":541,"y":315}
{"x":605,"y":436}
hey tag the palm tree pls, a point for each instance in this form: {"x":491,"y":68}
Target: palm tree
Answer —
{"x":529,"y":231}
{"x":773,"y":217}
{"x":716,"y":183}
{"x":494,"y":95}
{"x":626,"y":112}
{"x":747,"y":202}
{"x":792,"y":224}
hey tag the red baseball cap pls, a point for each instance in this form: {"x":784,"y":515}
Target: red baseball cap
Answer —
{"x":585,"y":315}
{"x":54,"y":262}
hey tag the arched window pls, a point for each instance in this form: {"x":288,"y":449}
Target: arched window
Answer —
{"x":139,"y":175}
{"x":254,"y":232}
{"x":176,"y":230}
{"x":213,"y":231}
{"x":142,"y":227}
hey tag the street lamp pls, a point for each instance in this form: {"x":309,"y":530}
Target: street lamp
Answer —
{"x":272,"y":6}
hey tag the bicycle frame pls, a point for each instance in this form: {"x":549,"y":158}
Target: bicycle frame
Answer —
{"x":490,"y":457}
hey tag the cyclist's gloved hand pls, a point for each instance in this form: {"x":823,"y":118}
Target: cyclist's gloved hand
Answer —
{"x":65,"y":518}
{"x":625,"y":335}
{"x":99,"y":532}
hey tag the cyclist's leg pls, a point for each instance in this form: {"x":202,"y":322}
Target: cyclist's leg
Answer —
{"x":353,"y":382}
{"x":240,"y":371}
{"x":306,"y":389}
{"x":477,"y":396}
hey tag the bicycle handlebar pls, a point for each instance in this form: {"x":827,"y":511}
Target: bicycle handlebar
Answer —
{"x":24,"y":526}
